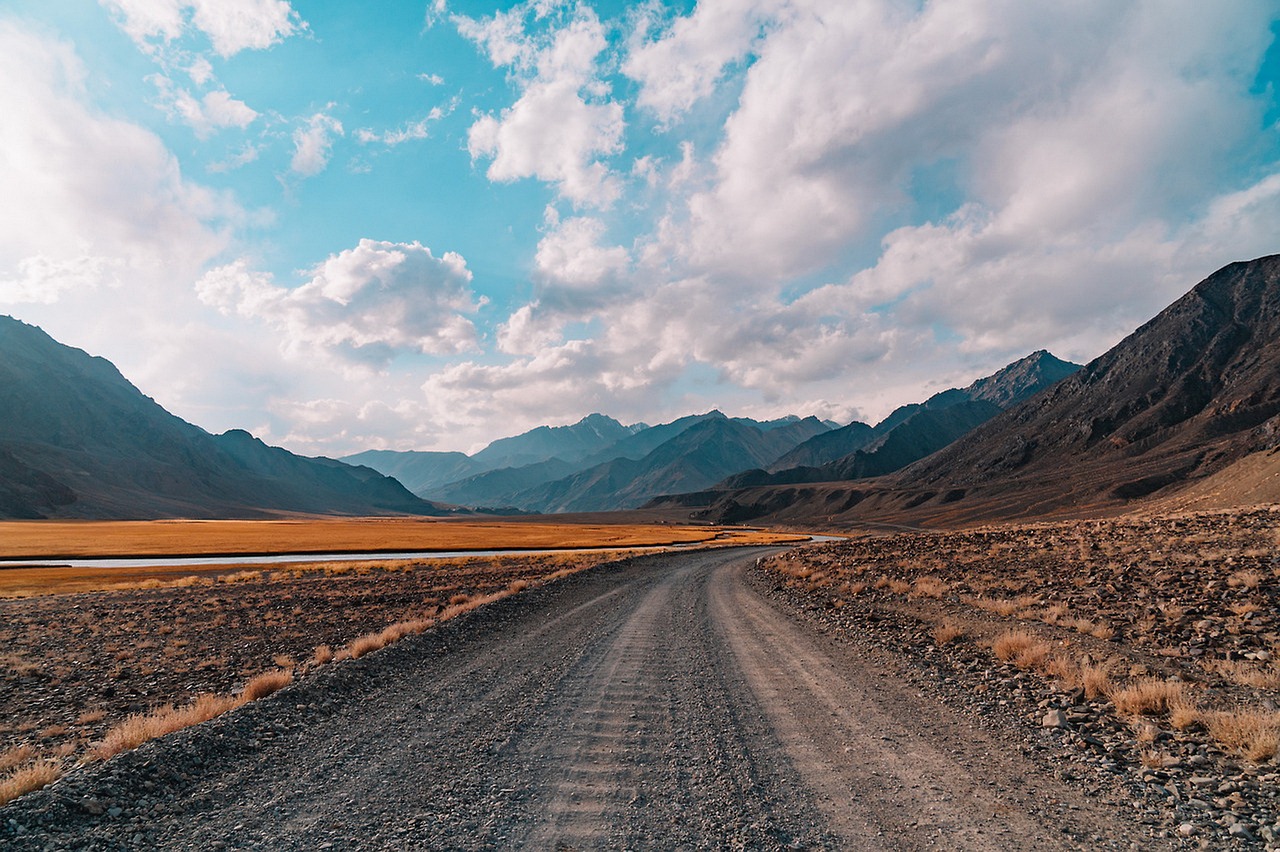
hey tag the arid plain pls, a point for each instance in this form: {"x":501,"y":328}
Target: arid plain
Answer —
{"x":137,"y":643}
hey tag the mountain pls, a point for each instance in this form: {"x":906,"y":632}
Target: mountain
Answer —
{"x":1182,"y":403}
{"x":825,"y":447}
{"x":420,"y":472}
{"x":567,"y":443}
{"x":913,"y":431}
{"x":502,"y":487}
{"x":695,"y":458}
{"x":521,"y":485}
{"x":78,"y":440}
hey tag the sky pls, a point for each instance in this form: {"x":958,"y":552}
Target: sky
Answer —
{"x":425,"y":225}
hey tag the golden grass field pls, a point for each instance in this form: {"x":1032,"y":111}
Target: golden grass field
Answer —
{"x":53,"y":540}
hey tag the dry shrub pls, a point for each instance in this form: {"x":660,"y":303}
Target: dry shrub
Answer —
{"x":260,"y":686}
{"x":1061,"y":668}
{"x":930,"y":587}
{"x":946,"y":632}
{"x":53,"y":731}
{"x":140,"y":727}
{"x":28,"y":778}
{"x":899,"y":587}
{"x":1246,"y":674}
{"x":1008,"y":645}
{"x":284,"y":661}
{"x":11,"y":757}
{"x":1249,"y":579}
{"x":1149,"y":696}
{"x":1034,"y":657}
{"x":517,"y":586}
{"x":322,"y":655}
{"x":1096,"y":680}
{"x":359,"y":646}
{"x":242,"y":577}
{"x":1103,"y":631}
{"x":1183,"y":714}
{"x":1053,"y":614}
{"x":1253,"y":733}
{"x":459,"y":599}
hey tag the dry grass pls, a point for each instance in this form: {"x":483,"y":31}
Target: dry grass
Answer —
{"x":1095,"y":679}
{"x":141,"y":727}
{"x":266,"y":683}
{"x":11,"y":757}
{"x":1149,"y":696}
{"x":322,"y":655}
{"x":1253,"y":733}
{"x":1243,"y":673}
{"x":929,"y":587}
{"x":71,"y":539}
{"x":947,"y":632}
{"x":1005,"y":606}
{"x":28,"y":778}
{"x":1010,"y":644}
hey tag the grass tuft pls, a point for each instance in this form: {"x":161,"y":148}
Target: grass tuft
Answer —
{"x":1149,"y":696}
{"x":28,"y":778}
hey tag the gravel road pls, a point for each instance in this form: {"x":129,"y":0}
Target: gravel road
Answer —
{"x":661,"y":703}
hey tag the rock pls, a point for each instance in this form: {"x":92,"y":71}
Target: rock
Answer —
{"x":1187,"y":830}
{"x":1054,"y":719}
{"x":1241,"y":830}
{"x":92,"y":807}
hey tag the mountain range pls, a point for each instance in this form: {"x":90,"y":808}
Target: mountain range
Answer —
{"x":1184,"y":411}
{"x":78,"y":440}
{"x":1188,"y":403}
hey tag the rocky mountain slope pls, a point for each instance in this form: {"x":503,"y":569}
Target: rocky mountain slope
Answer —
{"x":418,"y":471}
{"x":78,"y":440}
{"x":696,"y":458}
{"x":1190,"y":393}
{"x":913,"y":431}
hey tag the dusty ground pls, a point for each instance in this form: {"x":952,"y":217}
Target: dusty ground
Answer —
{"x":662,"y":703}
{"x":1179,"y":611}
{"x":73,"y":665}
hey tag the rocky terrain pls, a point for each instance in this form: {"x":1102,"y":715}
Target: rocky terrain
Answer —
{"x":660,"y":702}
{"x":1130,"y":655}
{"x":130,"y":650}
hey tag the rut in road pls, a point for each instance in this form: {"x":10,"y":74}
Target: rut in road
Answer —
{"x":660,"y":704}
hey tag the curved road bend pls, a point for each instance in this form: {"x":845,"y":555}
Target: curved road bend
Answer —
{"x":661,"y":705}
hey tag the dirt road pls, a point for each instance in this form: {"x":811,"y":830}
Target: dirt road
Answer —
{"x":664,"y":704}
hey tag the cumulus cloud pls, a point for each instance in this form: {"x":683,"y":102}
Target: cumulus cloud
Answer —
{"x":89,"y":199}
{"x":214,"y":111}
{"x":368,"y":303}
{"x":230,"y":25}
{"x":563,"y":122}
{"x":682,"y":63}
{"x":313,"y":143}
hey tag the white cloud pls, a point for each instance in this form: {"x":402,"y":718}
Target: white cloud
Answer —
{"x":230,"y":25}
{"x":214,"y":111}
{"x":89,"y":199}
{"x":682,"y":65}
{"x":368,"y":303}
{"x":312,"y":144}
{"x":45,"y":280}
{"x":563,"y":121}
{"x":413,"y":131}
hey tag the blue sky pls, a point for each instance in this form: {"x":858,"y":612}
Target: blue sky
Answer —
{"x":424,"y":225}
